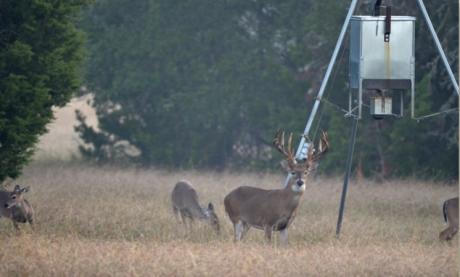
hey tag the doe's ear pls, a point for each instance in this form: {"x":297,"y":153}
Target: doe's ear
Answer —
{"x":210,"y":206}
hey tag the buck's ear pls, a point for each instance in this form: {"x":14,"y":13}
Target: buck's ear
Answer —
{"x":210,"y":206}
{"x":26,"y":189}
{"x":17,"y":188}
{"x":285,"y":166}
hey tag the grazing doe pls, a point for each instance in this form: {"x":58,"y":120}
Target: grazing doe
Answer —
{"x":450,"y":211}
{"x":185,"y":202}
{"x":273,"y":210}
{"x":14,"y":206}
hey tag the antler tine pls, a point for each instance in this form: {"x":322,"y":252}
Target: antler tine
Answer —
{"x":322,"y":147}
{"x":324,"y":143}
{"x":290,"y":157}
{"x":282,"y":140}
{"x":278,"y":142}
{"x":289,"y":150}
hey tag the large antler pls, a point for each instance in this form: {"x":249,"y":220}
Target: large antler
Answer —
{"x":278,"y":143}
{"x":323,"y":146}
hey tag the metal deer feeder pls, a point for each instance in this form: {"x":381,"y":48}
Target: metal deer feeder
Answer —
{"x":381,"y":61}
{"x":381,"y":69}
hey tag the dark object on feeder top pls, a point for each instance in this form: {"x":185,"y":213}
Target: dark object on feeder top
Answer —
{"x":387,"y":24}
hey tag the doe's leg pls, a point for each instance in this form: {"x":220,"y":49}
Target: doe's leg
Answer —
{"x":176,"y":213}
{"x":182,"y":216}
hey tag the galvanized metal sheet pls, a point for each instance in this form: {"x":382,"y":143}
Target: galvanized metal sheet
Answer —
{"x":372,"y":58}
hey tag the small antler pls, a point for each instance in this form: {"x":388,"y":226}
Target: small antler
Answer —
{"x":278,"y":143}
{"x":322,"y":148}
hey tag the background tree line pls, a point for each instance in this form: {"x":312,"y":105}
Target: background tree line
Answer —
{"x":205,"y":84}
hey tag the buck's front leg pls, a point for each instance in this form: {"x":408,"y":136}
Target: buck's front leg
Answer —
{"x":238,"y":229}
{"x":16,"y":226}
{"x":284,"y":237}
{"x":246,"y":228}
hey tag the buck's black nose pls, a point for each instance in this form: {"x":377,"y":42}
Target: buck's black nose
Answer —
{"x":299,"y":183}
{"x":6,"y":205}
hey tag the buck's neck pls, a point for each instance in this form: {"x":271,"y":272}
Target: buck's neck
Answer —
{"x":292,"y":190}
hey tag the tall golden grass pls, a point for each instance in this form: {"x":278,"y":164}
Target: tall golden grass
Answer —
{"x":108,"y":221}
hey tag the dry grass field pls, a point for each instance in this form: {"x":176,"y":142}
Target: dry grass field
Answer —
{"x":118,"y":222}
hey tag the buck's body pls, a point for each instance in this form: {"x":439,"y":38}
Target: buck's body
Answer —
{"x":274,"y":209}
{"x":450,"y":212}
{"x":186,"y":204}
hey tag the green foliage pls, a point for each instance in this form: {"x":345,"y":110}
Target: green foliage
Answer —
{"x":206,"y":84}
{"x":39,"y":54}
{"x":185,"y":81}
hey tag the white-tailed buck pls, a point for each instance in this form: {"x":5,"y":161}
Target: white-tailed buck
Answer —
{"x":185,"y":203}
{"x":450,"y":211}
{"x":273,"y":210}
{"x":14,"y":206}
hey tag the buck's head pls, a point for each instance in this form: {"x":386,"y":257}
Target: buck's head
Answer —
{"x":212,"y":218}
{"x":299,"y":170}
{"x":16,"y":196}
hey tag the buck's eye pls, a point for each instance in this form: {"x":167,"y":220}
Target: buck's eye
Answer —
{"x":13,"y":197}
{"x":293,"y":173}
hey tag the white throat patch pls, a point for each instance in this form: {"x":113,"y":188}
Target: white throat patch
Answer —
{"x":296,"y":188}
